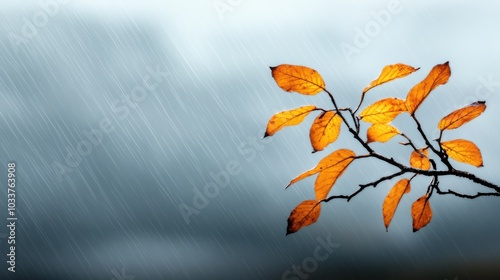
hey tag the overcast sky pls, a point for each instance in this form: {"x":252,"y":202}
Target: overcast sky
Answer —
{"x":122,"y":115}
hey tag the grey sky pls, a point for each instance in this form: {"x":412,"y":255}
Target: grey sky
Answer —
{"x":117,"y":207}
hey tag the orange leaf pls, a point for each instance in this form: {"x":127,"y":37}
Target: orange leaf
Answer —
{"x":306,"y":213}
{"x":437,"y":76}
{"x":327,"y":178}
{"x":461,"y":116}
{"x":330,"y":169}
{"x":420,"y":161}
{"x":421,"y":213}
{"x":463,"y":151}
{"x":325,"y":130}
{"x":383,"y":111}
{"x":296,"y":78}
{"x":392,"y":200}
{"x":389,"y":73}
{"x":381,"y":132}
{"x":287,"y":118}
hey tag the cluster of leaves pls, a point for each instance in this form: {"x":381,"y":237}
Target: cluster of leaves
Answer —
{"x":326,"y":128}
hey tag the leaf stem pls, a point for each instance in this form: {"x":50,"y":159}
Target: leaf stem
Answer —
{"x":411,"y":144}
{"x":360,"y":102}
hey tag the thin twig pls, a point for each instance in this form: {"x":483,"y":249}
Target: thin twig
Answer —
{"x":411,"y":144}
{"x":441,"y":155}
{"x":434,"y":185}
{"x":364,"y":186}
{"x":353,"y":132}
{"x":469,"y":196}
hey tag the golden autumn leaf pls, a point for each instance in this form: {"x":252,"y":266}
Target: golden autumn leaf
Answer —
{"x":306,"y":213}
{"x":392,"y":200}
{"x":299,"y":79}
{"x":389,"y":73}
{"x":330,"y":168}
{"x":463,"y":151}
{"x":325,"y":130}
{"x":383,"y":111}
{"x":417,"y":160}
{"x":381,"y":132}
{"x":461,"y":116}
{"x":287,"y":118}
{"x":327,"y":178}
{"x":421,"y":213}
{"x":439,"y":75}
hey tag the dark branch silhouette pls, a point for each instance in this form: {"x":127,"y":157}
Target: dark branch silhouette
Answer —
{"x":325,"y":130}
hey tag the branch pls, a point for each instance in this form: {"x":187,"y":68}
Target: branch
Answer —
{"x":436,"y":173}
{"x":352,"y":131}
{"x":479,"y":194}
{"x":440,"y":154}
{"x":454,"y":172}
{"x":435,"y":181}
{"x":403,"y":168}
{"x":382,"y":179}
{"x":473,"y":178}
{"x":360,"y":102}
{"x":364,"y":186}
{"x":355,"y":120}
{"x":411,"y":144}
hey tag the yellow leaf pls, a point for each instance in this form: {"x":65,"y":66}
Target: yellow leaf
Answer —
{"x":381,"y":132}
{"x":461,"y":116}
{"x":463,"y":151}
{"x":287,"y":118}
{"x":325,"y":130}
{"x":389,"y":73}
{"x":334,"y":164}
{"x":419,"y":161}
{"x":383,"y":111}
{"x":421,"y":213}
{"x":296,"y":78}
{"x":306,"y":213}
{"x":437,"y":76}
{"x":392,"y":200}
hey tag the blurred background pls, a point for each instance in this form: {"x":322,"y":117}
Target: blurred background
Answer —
{"x":136,"y":129}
